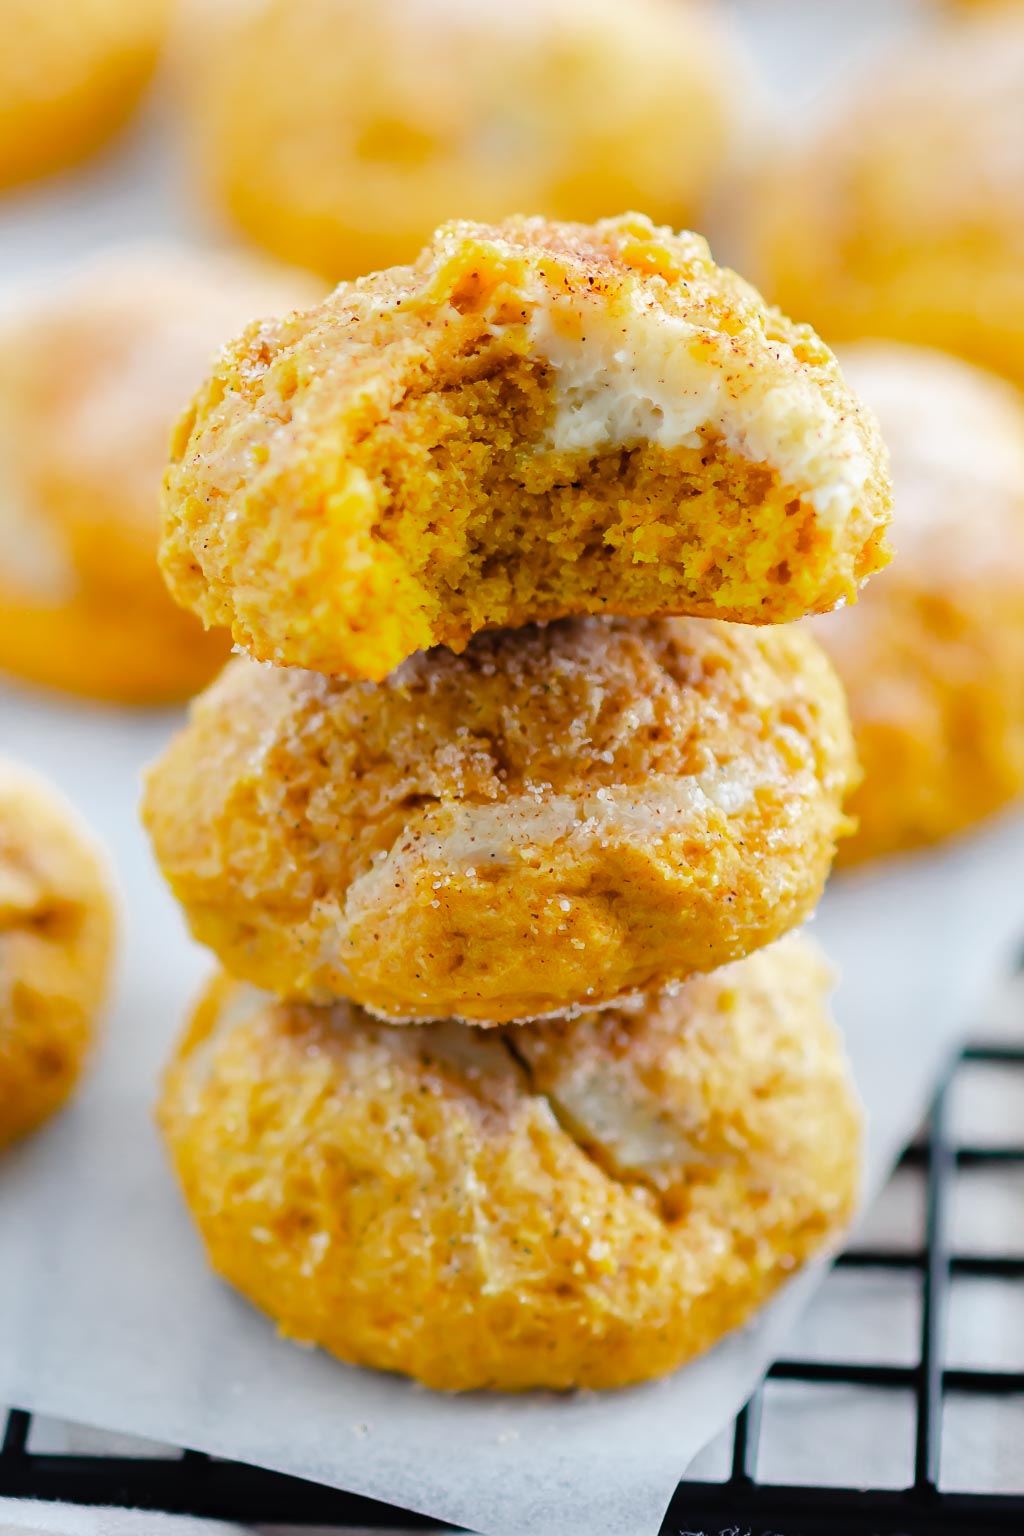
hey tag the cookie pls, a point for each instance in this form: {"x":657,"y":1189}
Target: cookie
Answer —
{"x":902,"y":215}
{"x":534,"y":421}
{"x":560,"y":816}
{"x":71,"y":73}
{"x":93,"y":370}
{"x":339,"y":134}
{"x":932,"y":658}
{"x":583,"y":1204}
{"x":56,"y":942}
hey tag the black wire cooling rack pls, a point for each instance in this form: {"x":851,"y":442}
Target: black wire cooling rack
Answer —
{"x":192,"y":1483}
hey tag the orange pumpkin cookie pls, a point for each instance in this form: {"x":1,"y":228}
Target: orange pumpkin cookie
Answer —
{"x":71,"y":72}
{"x":91,"y":375}
{"x":581,"y":1204}
{"x":56,"y":941}
{"x":536,"y":420}
{"x":903,"y":216}
{"x":338,"y":134}
{"x":933,"y":656}
{"x":558,"y":817}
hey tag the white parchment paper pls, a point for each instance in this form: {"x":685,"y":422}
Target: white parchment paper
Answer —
{"x":109,"y":1315}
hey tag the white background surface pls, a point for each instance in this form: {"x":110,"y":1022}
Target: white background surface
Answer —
{"x":107,"y":1312}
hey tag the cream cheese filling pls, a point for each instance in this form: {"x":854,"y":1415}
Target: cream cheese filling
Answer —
{"x":461,"y":840}
{"x":605,"y":1103}
{"x":525,"y":828}
{"x":631,"y":373}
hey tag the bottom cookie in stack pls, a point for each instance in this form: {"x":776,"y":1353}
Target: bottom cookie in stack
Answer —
{"x":583,"y":1203}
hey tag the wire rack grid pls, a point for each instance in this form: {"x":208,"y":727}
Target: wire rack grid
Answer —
{"x":189,"y":1482}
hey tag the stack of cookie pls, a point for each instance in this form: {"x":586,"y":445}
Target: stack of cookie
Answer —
{"x":516,"y":1076}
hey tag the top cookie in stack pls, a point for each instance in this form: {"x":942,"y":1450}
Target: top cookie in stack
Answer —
{"x":536,"y":421}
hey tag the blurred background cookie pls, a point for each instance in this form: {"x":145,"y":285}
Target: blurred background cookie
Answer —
{"x":535,"y":421}
{"x":56,"y":943}
{"x":338,"y":134}
{"x":71,"y":72}
{"x":932,"y":656}
{"x":903,"y":216}
{"x":579,"y":1205}
{"x":93,"y":371}
{"x":558,"y":817}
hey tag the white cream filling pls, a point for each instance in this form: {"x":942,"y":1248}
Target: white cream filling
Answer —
{"x":525,"y":831}
{"x":474,"y":1053}
{"x":527,"y":828}
{"x":610,"y":1108}
{"x":634,"y":374}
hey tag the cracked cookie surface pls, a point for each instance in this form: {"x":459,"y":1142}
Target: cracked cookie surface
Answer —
{"x":560,"y":816}
{"x":574,"y":1204}
{"x":535,"y":421}
{"x":56,"y":942}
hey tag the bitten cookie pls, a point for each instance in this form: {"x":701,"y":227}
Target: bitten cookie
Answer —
{"x":71,"y":72}
{"x":536,"y":420}
{"x":903,"y":216}
{"x":56,"y":941}
{"x":933,"y":656}
{"x":567,"y":1205}
{"x":92,"y":372}
{"x":558,"y":817}
{"x":338,"y":134}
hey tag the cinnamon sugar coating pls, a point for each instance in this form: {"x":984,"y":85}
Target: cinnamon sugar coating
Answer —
{"x":583,"y":1204}
{"x":558,"y":817}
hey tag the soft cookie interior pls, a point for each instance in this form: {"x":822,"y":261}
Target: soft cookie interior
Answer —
{"x":535,"y":421}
